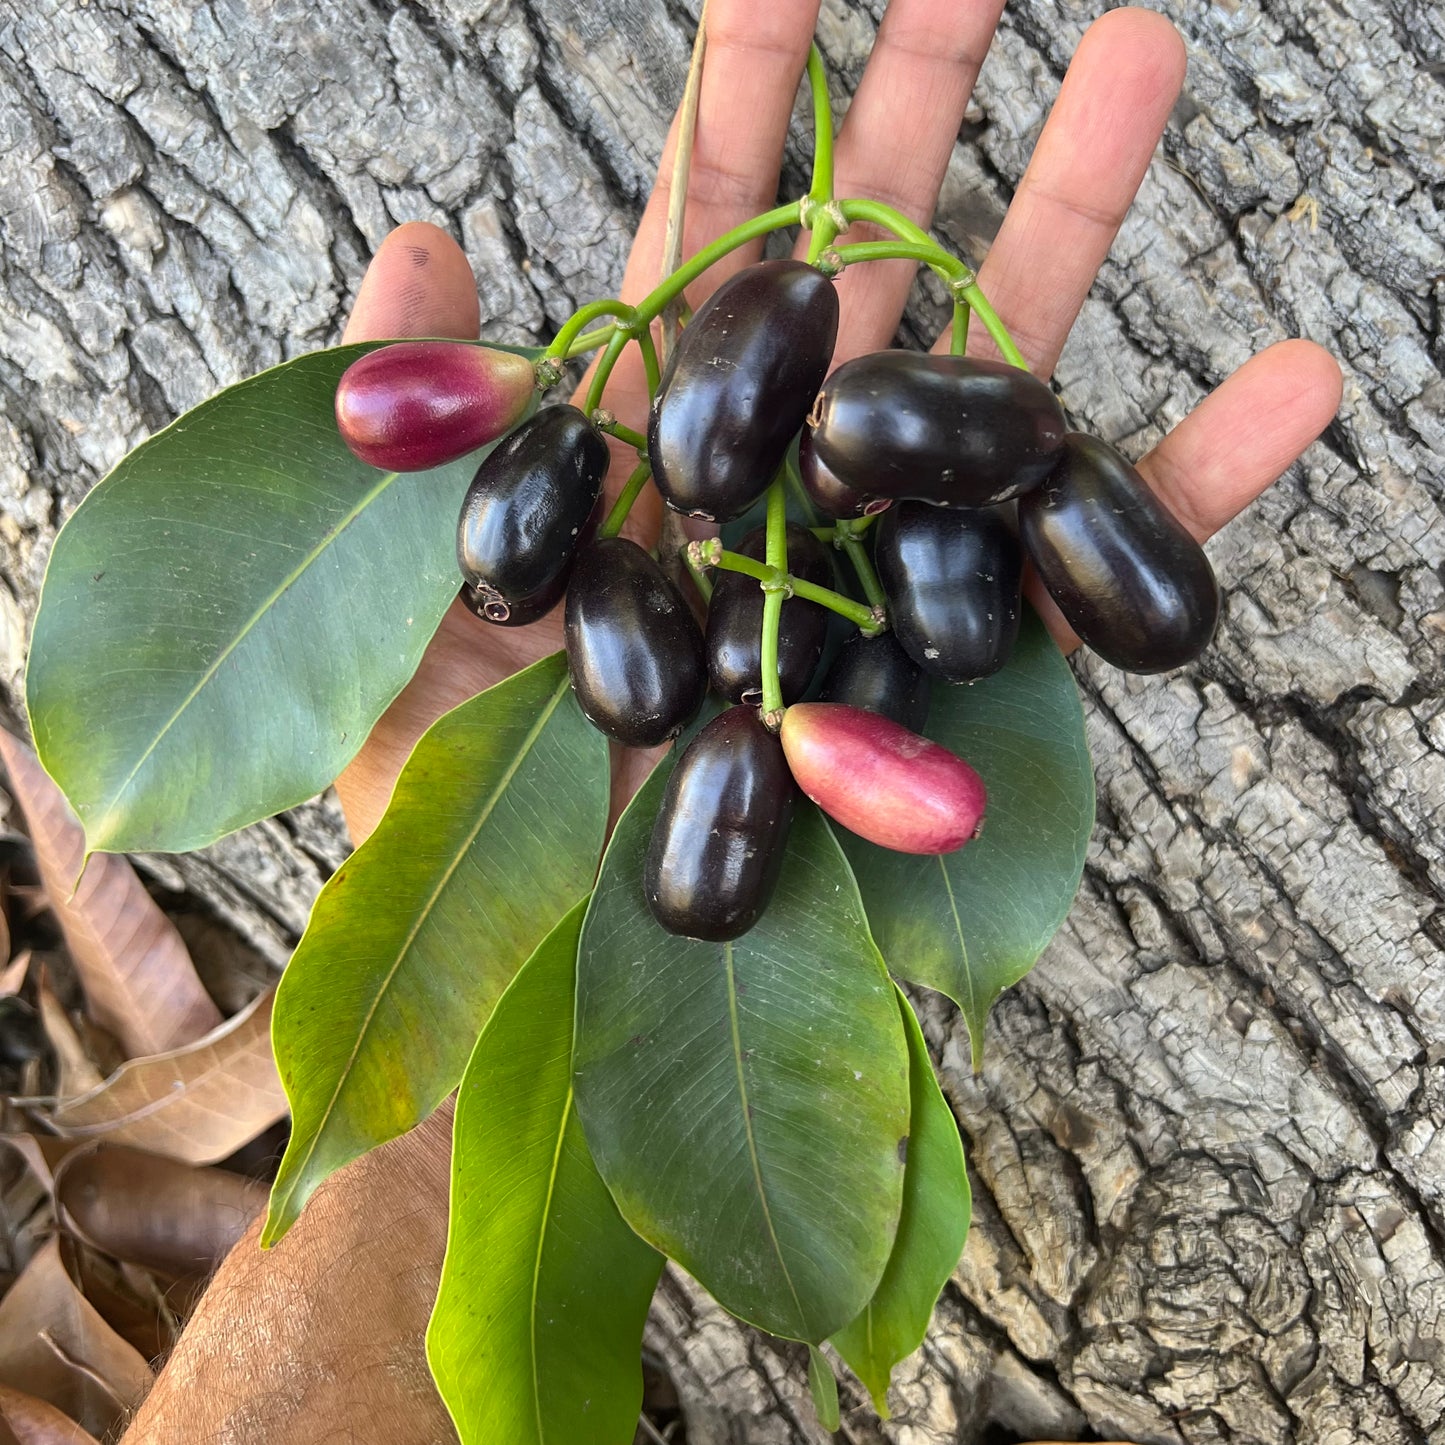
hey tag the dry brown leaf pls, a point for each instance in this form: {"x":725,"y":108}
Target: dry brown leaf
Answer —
{"x":196,"y":1104}
{"x":136,"y":971}
{"x":55,"y":1345}
{"x":78,"y":1073}
{"x":34,"y":1422}
{"x":176,"y":1219}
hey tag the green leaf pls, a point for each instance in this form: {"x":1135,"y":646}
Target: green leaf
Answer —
{"x":823,"y":1386}
{"x":931,"y":1233}
{"x":537,"y":1331}
{"x":239,"y":599}
{"x":746,"y":1102}
{"x":971,"y":923}
{"x":493,"y":832}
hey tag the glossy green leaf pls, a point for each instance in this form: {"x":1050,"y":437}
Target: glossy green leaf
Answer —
{"x":537,"y":1332}
{"x":745,"y":1102}
{"x":931,"y":1233}
{"x":493,"y":832}
{"x":823,"y":1386}
{"x":239,"y":599}
{"x":971,"y":923}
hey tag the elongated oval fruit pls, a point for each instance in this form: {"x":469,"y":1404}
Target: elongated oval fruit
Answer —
{"x":876,"y":674}
{"x":1129,"y":579}
{"x":634,"y":649}
{"x":421,"y":404}
{"x":953,"y":579}
{"x":735,"y":622}
{"x":949,"y":430}
{"x":882,"y":781}
{"x":717,"y":846}
{"x":829,"y":493}
{"x":745,"y":372}
{"x":527,"y":508}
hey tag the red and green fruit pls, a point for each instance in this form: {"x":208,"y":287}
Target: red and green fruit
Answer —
{"x":420,"y":404}
{"x":882,"y":781}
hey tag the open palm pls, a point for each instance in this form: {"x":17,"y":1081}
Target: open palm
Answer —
{"x":894,"y":145}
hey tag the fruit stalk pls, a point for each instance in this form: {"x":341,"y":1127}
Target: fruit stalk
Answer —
{"x":848,"y":536}
{"x":818,"y":206}
{"x":712,"y":554}
{"x":774,"y":595}
{"x":615,"y":518}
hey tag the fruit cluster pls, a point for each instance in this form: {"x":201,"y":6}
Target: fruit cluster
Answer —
{"x":970,"y":464}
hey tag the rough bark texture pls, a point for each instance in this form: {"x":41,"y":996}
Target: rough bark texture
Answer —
{"x":1208,"y":1144}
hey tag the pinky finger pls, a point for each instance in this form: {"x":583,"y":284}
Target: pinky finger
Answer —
{"x":1245,"y":434}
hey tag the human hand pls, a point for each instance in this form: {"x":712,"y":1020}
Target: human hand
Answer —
{"x":894,"y":144}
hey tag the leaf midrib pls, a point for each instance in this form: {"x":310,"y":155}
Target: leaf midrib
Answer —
{"x":537,"y":1263}
{"x":245,"y":631}
{"x":748,"y":1133}
{"x":528,"y":743}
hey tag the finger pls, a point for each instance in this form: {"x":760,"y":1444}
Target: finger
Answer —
{"x":1085,"y":170}
{"x":756,"y":53}
{"x":418,"y":284}
{"x":1242,"y":437}
{"x":896,"y":141}
{"x":1245,"y":434}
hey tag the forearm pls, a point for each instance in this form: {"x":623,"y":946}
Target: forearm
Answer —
{"x":321,"y":1338}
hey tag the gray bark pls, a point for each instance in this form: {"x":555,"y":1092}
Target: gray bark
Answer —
{"x":1208,"y":1144}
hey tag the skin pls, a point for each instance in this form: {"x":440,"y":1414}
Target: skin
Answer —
{"x":320,"y":1339}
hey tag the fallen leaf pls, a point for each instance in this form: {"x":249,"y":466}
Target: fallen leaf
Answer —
{"x":35,"y":1422}
{"x":55,"y":1345}
{"x":78,"y":1073}
{"x":136,"y":971}
{"x":176,"y":1219}
{"x":196,"y":1104}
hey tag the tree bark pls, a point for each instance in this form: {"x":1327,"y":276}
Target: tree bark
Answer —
{"x":1208,"y":1142}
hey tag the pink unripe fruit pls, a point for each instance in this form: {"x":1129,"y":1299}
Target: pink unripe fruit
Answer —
{"x":420,"y":404}
{"x":881,"y":781}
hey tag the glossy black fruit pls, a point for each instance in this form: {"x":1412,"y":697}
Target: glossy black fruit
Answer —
{"x":1129,"y":579}
{"x":831,"y":496}
{"x":717,"y":846}
{"x":745,"y":372}
{"x":875,"y":673}
{"x":735,"y":621}
{"x":527,"y":508}
{"x":634,"y":649}
{"x":943,"y":429}
{"x":953,"y":580}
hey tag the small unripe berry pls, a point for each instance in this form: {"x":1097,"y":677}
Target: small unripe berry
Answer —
{"x":881,"y":781}
{"x":421,"y":404}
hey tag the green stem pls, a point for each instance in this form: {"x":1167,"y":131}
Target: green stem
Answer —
{"x":863,"y":566}
{"x":649,"y":358}
{"x":615,"y":348}
{"x":562,"y":342}
{"x":777,"y":560}
{"x":623,"y":505}
{"x":614,"y":428}
{"x":878,"y":214}
{"x":651,"y":307}
{"x":590,"y":341}
{"x":978,"y":303}
{"x":958,"y":336}
{"x":820,"y":193}
{"x":780,"y":583}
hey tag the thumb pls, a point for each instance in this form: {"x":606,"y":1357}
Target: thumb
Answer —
{"x":418,"y":284}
